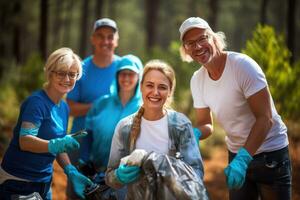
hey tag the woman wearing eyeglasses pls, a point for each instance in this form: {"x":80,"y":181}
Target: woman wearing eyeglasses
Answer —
{"x":39,"y":136}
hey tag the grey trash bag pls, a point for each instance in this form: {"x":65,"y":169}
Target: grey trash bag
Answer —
{"x":33,"y":196}
{"x":165,"y":177}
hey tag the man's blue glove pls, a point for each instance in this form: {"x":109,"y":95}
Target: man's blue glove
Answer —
{"x":197,"y":134}
{"x":79,"y":181}
{"x":127,"y":174}
{"x":60,"y":145}
{"x":236,"y":171}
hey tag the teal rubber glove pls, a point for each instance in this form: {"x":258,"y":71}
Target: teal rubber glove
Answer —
{"x":127,"y":174}
{"x":197,"y":134}
{"x":236,"y":171}
{"x":79,"y":181}
{"x":60,"y":145}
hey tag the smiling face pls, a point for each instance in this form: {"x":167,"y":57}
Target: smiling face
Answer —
{"x":199,"y":45}
{"x":127,"y":80}
{"x":104,"y":40}
{"x":63,"y":81}
{"x":156,"y":89}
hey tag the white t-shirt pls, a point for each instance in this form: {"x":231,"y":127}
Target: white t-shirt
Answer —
{"x":227,"y":99}
{"x":154,"y":136}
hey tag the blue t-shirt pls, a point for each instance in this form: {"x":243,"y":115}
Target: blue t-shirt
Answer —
{"x":94,"y":83}
{"x":52,"y":120}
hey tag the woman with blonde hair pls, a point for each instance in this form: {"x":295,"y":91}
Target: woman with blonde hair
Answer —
{"x":154,"y":128}
{"x":40,"y":134}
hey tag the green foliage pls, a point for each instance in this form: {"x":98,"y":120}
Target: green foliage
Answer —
{"x":270,"y":52}
{"x":15,"y":85}
{"x":30,"y":76}
{"x":9,"y":105}
{"x":17,"y":82}
{"x":9,"y":102}
{"x":292,"y":106}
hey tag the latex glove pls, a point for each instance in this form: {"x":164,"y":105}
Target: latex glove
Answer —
{"x":236,"y":171}
{"x":197,"y":134}
{"x":135,"y":158}
{"x":60,"y":145}
{"x":127,"y":174}
{"x":79,"y":181}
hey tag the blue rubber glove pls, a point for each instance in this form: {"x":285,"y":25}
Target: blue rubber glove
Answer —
{"x":79,"y":181}
{"x":197,"y":134}
{"x":127,"y":174}
{"x":236,"y":171}
{"x":60,"y":145}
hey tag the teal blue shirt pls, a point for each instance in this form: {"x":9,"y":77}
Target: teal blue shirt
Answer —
{"x":103,"y":117}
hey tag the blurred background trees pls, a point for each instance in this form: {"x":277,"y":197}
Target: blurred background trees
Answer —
{"x":31,"y":29}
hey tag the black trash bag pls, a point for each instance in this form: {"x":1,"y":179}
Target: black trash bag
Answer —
{"x":87,"y":168}
{"x":165,"y":177}
{"x":99,"y":190}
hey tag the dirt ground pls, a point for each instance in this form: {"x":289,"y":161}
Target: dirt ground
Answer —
{"x":214,"y":176}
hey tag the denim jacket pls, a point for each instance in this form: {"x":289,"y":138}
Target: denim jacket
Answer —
{"x":181,"y":144}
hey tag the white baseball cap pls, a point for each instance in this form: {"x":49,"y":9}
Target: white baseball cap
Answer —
{"x":105,"y":22}
{"x":192,"y":22}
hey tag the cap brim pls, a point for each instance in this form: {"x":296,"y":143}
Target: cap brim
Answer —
{"x":191,"y":27}
{"x":102,"y":26}
{"x":134,"y":69}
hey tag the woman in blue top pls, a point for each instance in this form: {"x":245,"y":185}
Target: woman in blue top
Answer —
{"x":40,"y":134}
{"x":123,"y":100}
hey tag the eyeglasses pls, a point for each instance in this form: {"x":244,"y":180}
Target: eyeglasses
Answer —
{"x":62,"y":74}
{"x":192,"y":43}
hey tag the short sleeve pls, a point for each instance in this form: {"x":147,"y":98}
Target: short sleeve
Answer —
{"x":250,"y":76}
{"x":33,"y":111}
{"x":196,"y":85}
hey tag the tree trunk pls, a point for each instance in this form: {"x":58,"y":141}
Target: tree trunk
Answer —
{"x":67,"y":22}
{"x":17,"y":32}
{"x":43,"y":28}
{"x":83,"y":29}
{"x":192,"y":8}
{"x":151,"y":22}
{"x":57,"y":23}
{"x":112,"y":9}
{"x":291,"y":19}
{"x":214,"y":11}
{"x":263,"y":11}
{"x":98,"y":9}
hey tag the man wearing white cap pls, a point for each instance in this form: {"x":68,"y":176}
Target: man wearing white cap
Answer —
{"x":233,"y":87}
{"x":99,"y":71}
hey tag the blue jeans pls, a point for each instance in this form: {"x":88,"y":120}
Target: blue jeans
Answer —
{"x":11,"y":187}
{"x":269,"y":176}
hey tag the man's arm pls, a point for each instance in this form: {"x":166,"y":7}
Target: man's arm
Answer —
{"x":78,"y":109}
{"x":204,"y":122}
{"x":260,"y":105}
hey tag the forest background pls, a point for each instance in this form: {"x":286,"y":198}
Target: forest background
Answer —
{"x":265,"y":30}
